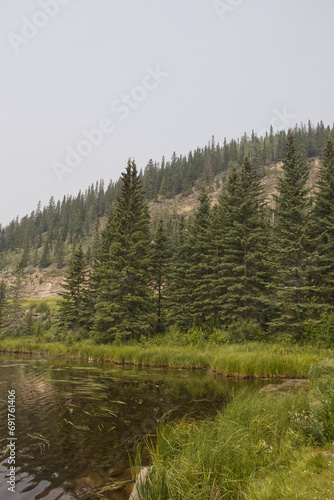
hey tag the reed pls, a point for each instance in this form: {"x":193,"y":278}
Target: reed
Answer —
{"x":233,"y":360}
{"x":220,"y":458}
{"x":248,"y":451}
{"x":260,"y":446}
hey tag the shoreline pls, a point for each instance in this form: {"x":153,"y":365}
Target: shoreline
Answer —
{"x":232,"y":361}
{"x":141,"y":365}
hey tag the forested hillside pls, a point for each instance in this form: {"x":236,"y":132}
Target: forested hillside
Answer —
{"x":47,"y":235}
{"x":256,"y":263}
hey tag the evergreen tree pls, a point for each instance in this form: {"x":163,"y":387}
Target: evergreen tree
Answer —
{"x":160,"y":257}
{"x":3,"y":304}
{"x":16,"y":293}
{"x":322,"y":222}
{"x":25,"y":256}
{"x":243,"y":269}
{"x":291,"y":243}
{"x":60,"y":253}
{"x":191,"y":291}
{"x":28,"y":326}
{"x":124,"y":306}
{"x":72,"y":310}
{"x":178,"y":292}
{"x":45,"y":258}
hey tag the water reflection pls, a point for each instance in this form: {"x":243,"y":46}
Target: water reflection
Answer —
{"x":78,"y":423}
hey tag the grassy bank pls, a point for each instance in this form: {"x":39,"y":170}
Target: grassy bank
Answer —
{"x":237,"y":360}
{"x":260,"y":447}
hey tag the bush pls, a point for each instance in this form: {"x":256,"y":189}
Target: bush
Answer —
{"x":218,"y":336}
{"x":319,"y":333}
{"x":316,"y":424}
{"x":244,"y":332}
{"x":194,"y":336}
{"x":307,"y":424}
{"x":43,"y":308}
{"x":322,"y":378}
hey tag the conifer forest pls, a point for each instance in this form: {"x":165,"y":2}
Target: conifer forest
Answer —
{"x":244,"y":268}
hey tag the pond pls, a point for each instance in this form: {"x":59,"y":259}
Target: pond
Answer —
{"x":78,"y":424}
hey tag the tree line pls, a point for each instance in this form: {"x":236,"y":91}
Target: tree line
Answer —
{"x":44,"y":236}
{"x":238,"y":264}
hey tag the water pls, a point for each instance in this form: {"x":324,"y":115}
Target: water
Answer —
{"x":78,"y":424}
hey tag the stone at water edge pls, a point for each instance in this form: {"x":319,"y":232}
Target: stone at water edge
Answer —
{"x":144,"y":472}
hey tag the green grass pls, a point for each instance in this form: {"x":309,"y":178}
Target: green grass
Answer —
{"x":248,"y":451}
{"x":52,"y":303}
{"x":236,"y":360}
{"x":310,"y":475}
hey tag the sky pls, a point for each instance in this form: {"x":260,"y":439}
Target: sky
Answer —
{"x":85,"y":85}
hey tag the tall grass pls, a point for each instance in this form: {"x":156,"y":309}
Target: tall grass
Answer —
{"x":251,"y":450}
{"x":236,"y":360}
{"x":220,"y":458}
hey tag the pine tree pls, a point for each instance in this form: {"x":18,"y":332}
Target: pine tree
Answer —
{"x":191,"y":291}
{"x":59,"y":253}
{"x":28,"y":326}
{"x":200,"y":272}
{"x":161,"y":253}
{"x":45,"y":258}
{"x":16,"y":293}
{"x":72,"y":310}
{"x":291,"y":243}
{"x":124,"y":306}
{"x":25,"y":255}
{"x":322,"y":232}
{"x":243,"y":269}
{"x":178,"y":292}
{"x":3,"y":304}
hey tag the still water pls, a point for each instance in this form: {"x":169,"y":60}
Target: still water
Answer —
{"x":77,"y":424}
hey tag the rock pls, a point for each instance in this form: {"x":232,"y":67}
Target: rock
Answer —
{"x":144,"y":472}
{"x":285,"y":386}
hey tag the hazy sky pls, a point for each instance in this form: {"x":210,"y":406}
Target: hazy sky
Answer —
{"x":87,"y":84}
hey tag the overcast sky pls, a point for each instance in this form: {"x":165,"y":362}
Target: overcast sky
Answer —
{"x":87,"y":84}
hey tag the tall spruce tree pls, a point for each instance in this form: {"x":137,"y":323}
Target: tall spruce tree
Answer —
{"x":3,"y":304}
{"x":191,"y":290}
{"x":291,"y":244}
{"x":124,"y":306}
{"x":17,"y":289}
{"x":177,"y":300}
{"x":200,"y":271}
{"x":322,"y":231}
{"x":161,"y":252}
{"x":72,"y":310}
{"x":45,"y":258}
{"x":243,"y":230}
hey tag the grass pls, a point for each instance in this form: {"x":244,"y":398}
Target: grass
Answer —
{"x":33,"y":304}
{"x":309,"y":476}
{"x":248,"y":451}
{"x":232,"y":360}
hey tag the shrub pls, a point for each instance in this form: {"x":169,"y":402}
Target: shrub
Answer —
{"x":316,"y":424}
{"x":244,"y":332}
{"x":319,"y":333}
{"x":218,"y":336}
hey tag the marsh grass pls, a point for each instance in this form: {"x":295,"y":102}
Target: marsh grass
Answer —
{"x":222,"y":457}
{"x":309,"y":475}
{"x":251,"y":449}
{"x":251,"y":359}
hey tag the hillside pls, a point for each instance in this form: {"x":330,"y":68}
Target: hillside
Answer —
{"x":46,"y":283}
{"x":179,"y":205}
